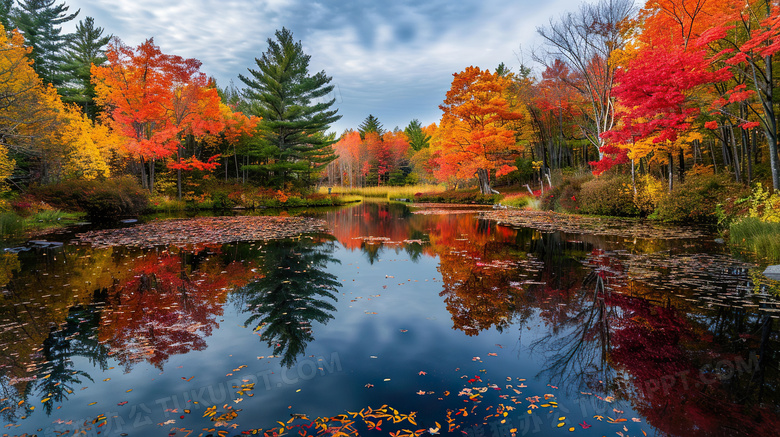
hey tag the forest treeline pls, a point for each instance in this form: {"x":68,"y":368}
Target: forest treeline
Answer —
{"x":673,"y":88}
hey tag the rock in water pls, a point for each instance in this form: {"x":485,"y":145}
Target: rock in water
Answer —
{"x":773,"y":272}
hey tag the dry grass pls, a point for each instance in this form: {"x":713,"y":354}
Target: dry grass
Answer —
{"x":386,"y":192}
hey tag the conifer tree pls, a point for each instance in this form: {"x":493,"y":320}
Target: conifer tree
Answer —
{"x":293,"y":145}
{"x":87,"y":48}
{"x":40,"y":21}
{"x":370,"y":124}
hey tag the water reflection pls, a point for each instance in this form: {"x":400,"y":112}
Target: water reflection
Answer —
{"x":169,"y":305}
{"x":677,"y":334}
{"x":294,"y":291}
{"x":121,"y":304}
{"x":671,"y":329}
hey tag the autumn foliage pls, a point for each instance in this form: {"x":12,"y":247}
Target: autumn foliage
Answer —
{"x":474,"y":128}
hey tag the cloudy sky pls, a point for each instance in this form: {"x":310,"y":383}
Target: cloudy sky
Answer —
{"x":390,"y":58}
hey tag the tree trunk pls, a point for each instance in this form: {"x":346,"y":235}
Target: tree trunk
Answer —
{"x":671,"y":171}
{"x":484,"y":182}
{"x":682,"y":165}
{"x":151,"y":175}
{"x":178,"y":171}
{"x":735,"y":158}
{"x":144,"y":181}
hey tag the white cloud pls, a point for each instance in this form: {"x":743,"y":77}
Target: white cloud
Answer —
{"x":392,"y":59}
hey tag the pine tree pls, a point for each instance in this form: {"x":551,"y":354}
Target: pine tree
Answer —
{"x":40,"y":21}
{"x":6,"y":11}
{"x":417,"y":138}
{"x":86,"y":48}
{"x":293,"y":145}
{"x":370,"y":124}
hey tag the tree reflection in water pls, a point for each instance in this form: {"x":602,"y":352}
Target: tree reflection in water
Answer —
{"x":170,"y":305}
{"x":293,"y":292}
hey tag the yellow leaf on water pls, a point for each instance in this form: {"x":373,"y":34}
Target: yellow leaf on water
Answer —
{"x":561,"y":424}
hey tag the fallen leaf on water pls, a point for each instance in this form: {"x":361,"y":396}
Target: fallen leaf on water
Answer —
{"x":422,"y":373}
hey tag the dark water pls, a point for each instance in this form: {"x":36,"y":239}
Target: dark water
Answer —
{"x":395,"y":323}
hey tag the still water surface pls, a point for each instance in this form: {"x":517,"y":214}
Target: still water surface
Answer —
{"x":394,"y":322}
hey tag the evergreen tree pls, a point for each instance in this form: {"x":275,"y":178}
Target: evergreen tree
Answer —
{"x":292,"y":146}
{"x":502,"y":70}
{"x":417,"y":138}
{"x":41,"y":23}
{"x":87,"y":47}
{"x":6,"y":9}
{"x":370,"y":124}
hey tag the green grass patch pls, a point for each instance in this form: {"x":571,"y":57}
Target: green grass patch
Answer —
{"x":761,"y":238}
{"x":519,"y":201}
{"x":14,"y":225}
{"x":11,"y":224}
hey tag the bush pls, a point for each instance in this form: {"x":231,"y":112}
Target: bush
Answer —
{"x":460,"y":196}
{"x":696,"y":200}
{"x":610,"y":195}
{"x":102,"y":200}
{"x":564,"y":196}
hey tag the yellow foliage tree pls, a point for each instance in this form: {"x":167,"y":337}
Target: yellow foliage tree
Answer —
{"x":87,"y":146}
{"x":35,"y":122}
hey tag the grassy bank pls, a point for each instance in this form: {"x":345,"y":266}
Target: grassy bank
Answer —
{"x":168,"y":204}
{"x":759,"y":237}
{"x":13,"y":225}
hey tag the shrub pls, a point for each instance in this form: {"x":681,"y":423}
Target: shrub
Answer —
{"x":102,"y":200}
{"x":563,"y":197}
{"x":649,"y":191}
{"x":696,"y":199}
{"x":459,"y":196}
{"x":610,"y":195}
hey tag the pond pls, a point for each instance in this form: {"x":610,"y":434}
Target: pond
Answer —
{"x":399,"y":320}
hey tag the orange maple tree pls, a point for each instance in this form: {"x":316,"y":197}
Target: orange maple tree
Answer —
{"x":158,"y":102}
{"x":475,"y":131}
